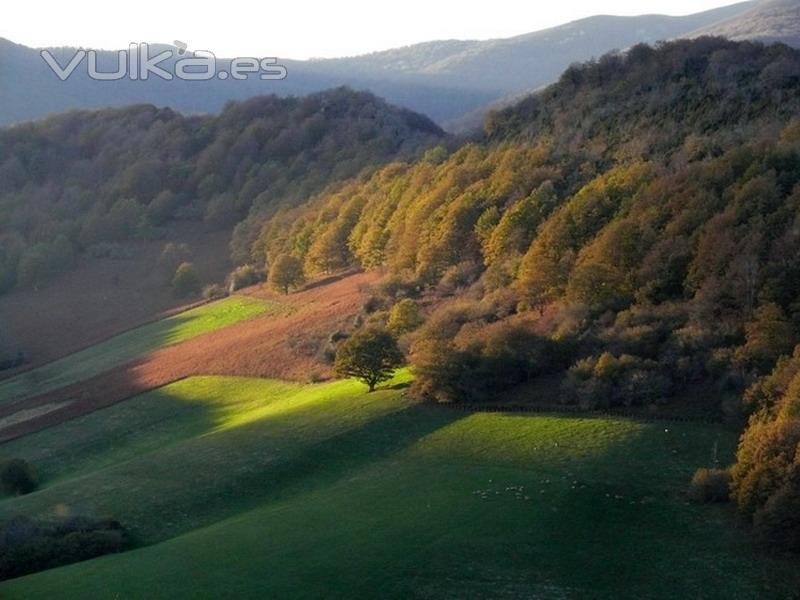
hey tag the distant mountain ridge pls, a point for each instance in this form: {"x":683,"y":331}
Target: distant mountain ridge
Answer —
{"x":445,"y":80}
{"x":474,"y":63}
{"x":767,"y":21}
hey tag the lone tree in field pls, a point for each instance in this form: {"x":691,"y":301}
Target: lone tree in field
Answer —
{"x":371,"y":355}
{"x":287,"y":272}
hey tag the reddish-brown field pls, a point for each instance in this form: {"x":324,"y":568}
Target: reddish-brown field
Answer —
{"x":104,"y":297}
{"x":279,"y":346}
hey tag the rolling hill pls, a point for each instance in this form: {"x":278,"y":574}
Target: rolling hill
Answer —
{"x":253,"y":487}
{"x":525,"y":62}
{"x":99,"y":195}
{"x":445,"y":80}
{"x":767,"y":21}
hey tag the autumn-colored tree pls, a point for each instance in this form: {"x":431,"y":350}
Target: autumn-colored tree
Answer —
{"x":404,"y":317}
{"x":330,"y":251}
{"x":766,"y":476}
{"x":442,"y":372}
{"x":541,"y":279}
{"x":286,"y":273}
{"x":371,"y":356}
{"x":770,"y":335}
{"x":597,"y":285}
{"x":515,"y":229}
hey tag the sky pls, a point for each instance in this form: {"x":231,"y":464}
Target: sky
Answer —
{"x":300,"y":28}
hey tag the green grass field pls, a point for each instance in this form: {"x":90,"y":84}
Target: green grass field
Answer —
{"x":260,"y":489}
{"x":132,"y":344}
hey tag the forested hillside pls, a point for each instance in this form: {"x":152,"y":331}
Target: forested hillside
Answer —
{"x":82,"y":182}
{"x":647,"y":204}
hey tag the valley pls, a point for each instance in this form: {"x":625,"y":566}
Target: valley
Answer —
{"x":501,"y":318}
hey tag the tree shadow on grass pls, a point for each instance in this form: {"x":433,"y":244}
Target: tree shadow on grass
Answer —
{"x":646,"y":542}
{"x":334,"y":458}
{"x":404,"y":385}
{"x":180,"y":478}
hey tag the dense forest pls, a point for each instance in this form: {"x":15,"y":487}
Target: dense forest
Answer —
{"x":84,"y":181}
{"x":632,"y":231}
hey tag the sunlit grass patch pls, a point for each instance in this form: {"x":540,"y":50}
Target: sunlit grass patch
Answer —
{"x":258,"y":488}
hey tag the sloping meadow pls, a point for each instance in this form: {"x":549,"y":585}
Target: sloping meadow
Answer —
{"x":251,"y":488}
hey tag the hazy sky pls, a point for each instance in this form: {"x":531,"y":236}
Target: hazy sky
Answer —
{"x":300,"y":28}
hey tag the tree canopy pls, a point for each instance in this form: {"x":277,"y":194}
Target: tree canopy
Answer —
{"x":286,"y":273}
{"x":370,"y":355}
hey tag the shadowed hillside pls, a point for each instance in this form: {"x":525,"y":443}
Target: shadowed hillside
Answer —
{"x":253,"y":488}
